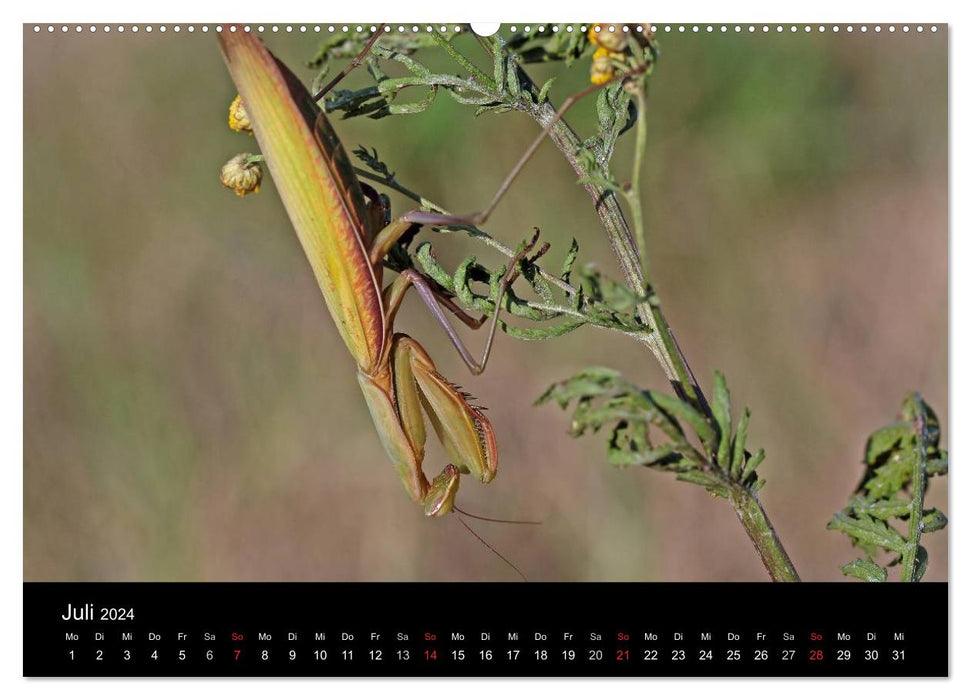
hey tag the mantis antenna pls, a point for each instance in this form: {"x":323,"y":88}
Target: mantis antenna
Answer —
{"x":492,"y":549}
{"x":495,"y":520}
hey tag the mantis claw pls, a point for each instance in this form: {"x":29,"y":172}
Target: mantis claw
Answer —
{"x":441,"y":493}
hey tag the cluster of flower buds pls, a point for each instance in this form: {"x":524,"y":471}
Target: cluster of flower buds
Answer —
{"x":244,"y":172}
{"x":612,"y":48}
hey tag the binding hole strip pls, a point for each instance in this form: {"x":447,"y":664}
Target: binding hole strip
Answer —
{"x":505,"y":29}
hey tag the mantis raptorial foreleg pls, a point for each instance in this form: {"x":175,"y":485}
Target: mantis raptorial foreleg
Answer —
{"x":408,"y":386}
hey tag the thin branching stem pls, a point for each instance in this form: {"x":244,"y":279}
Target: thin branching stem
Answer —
{"x":634,"y":191}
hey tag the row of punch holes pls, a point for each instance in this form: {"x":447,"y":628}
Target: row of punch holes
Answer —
{"x":318,"y":29}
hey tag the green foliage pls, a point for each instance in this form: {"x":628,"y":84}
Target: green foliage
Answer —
{"x":573,"y":298}
{"x":899,"y":458}
{"x":541,"y":45}
{"x":506,"y":89}
{"x":652,"y":429}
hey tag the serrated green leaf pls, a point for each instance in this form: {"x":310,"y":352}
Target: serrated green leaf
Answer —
{"x":721,"y":408}
{"x":679,"y":409}
{"x":545,"y":91}
{"x":920,"y":566}
{"x":571,"y":258}
{"x":937,"y":467}
{"x":711,"y":482}
{"x":865,"y":571}
{"x":753,"y":463}
{"x":868,"y":531}
{"x":738,"y":443}
{"x":889,"y":479}
{"x":882,"y":509}
{"x":883,"y":441}
{"x":933,"y":520}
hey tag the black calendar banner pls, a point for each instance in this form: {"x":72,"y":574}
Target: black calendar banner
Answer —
{"x":480,"y":629}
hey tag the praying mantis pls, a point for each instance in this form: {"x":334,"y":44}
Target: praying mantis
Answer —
{"x":341,"y":225}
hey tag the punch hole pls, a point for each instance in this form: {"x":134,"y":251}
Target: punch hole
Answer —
{"x":485,"y":28}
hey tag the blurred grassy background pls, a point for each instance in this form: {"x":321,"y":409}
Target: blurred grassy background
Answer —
{"x":191,"y":413}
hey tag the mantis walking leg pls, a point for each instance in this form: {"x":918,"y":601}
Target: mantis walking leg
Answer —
{"x":434,"y":299}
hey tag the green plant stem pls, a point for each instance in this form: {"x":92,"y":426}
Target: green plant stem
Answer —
{"x":463,"y":60}
{"x":908,"y":566}
{"x":634,"y":191}
{"x":752,"y":515}
{"x":662,"y":342}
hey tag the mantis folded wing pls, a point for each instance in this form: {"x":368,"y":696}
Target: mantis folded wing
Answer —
{"x":338,"y":230}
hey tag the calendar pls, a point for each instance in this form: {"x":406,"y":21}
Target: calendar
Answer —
{"x":630,"y":630}
{"x":444,"y":349}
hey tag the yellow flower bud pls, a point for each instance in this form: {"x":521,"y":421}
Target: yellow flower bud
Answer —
{"x":615,"y":40}
{"x":241,"y":176}
{"x":238,"y":118}
{"x":602,"y":68}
